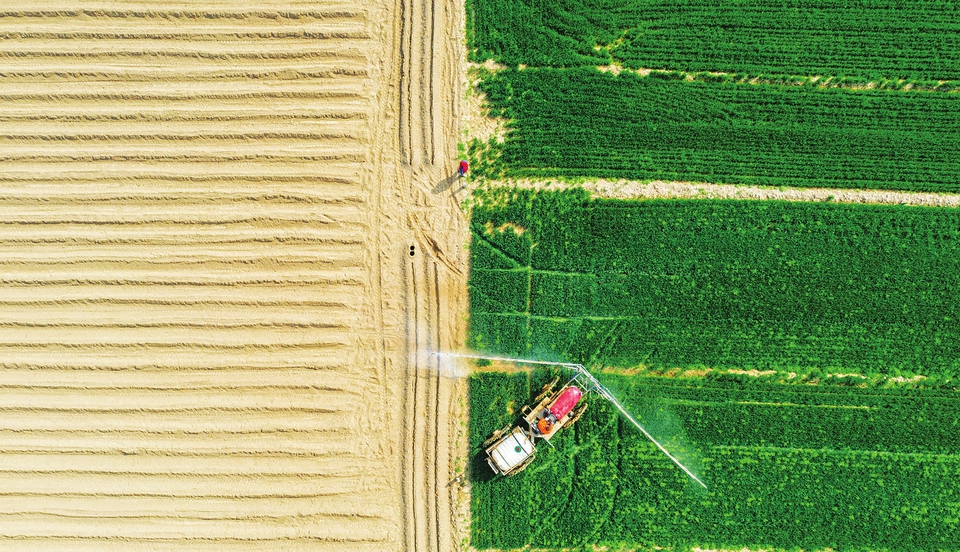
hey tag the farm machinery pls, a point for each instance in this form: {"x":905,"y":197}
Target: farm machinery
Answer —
{"x":512,"y":448}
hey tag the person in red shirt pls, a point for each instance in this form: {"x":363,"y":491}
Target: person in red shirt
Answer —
{"x":464,"y":168}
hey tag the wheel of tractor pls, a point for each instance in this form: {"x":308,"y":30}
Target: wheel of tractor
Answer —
{"x":496,"y":435}
{"x":576,"y":414}
{"x":545,"y":390}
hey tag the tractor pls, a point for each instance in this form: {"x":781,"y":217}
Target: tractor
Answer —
{"x":511,"y":449}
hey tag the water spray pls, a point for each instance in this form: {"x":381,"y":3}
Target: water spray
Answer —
{"x":595,"y":386}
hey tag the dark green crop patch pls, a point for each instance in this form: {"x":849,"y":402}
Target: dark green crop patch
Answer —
{"x":801,"y":287}
{"x":868,"y":38}
{"x":786,"y":466}
{"x":579,"y":122}
{"x":763,"y":107}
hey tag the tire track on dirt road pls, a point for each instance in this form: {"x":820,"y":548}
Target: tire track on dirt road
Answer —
{"x":418,"y":74}
{"x":428,"y":244}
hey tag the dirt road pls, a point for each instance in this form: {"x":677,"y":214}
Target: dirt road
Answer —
{"x":228,"y":241}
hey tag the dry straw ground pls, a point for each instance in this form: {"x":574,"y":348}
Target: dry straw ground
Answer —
{"x":228,"y":238}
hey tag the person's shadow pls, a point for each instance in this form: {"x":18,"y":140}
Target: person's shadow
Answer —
{"x":448,"y":183}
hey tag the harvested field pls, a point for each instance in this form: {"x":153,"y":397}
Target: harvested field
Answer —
{"x":227,"y":241}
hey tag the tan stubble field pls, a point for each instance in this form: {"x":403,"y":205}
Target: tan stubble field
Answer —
{"x":228,"y":240}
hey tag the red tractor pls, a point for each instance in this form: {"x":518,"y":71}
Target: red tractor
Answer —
{"x":511,"y":449}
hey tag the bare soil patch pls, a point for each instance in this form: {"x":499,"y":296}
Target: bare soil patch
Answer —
{"x":630,"y":189}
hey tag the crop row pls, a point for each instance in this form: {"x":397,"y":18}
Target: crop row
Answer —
{"x":830,"y":467}
{"x":739,"y":284}
{"x":872,"y":38}
{"x":580,"y":122}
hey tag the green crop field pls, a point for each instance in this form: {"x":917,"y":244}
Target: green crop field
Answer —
{"x":584,"y":123}
{"x":893,"y":125}
{"x":802,"y":358}
{"x":867,"y":38}
{"x":810,"y":288}
{"x":787,"y":466}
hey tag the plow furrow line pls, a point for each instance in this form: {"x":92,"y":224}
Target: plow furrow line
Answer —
{"x":9,"y":348}
{"x":177,"y":180}
{"x":220,"y":126}
{"x":341,"y":30}
{"x":119,"y":399}
{"x":326,"y":252}
{"x":46,"y":18}
{"x":73,"y":198}
{"x":90,"y":244}
{"x":184,"y":265}
{"x":151,"y":237}
{"x":184,"y":420}
{"x":66,"y":451}
{"x":346,"y":170}
{"x":224,"y":378}
{"x":311,"y":392}
{"x":331,"y":83}
{"x":197,"y":466}
{"x":250,"y":497}
{"x":181,"y":514}
{"x":320,"y":77}
{"x":263,"y":139}
{"x":44,"y":155}
{"x":320,"y":191}
{"x":164,"y":399}
{"x":174,"y":436}
{"x":94,"y":115}
{"x":340,"y":259}
{"x":195,"y":317}
{"x":60,"y":79}
{"x":175,"y":409}
{"x":335,"y":469}
{"x":200,"y":283}
{"x":294,"y":442}
{"x":46,"y":526}
{"x":75,"y":296}
{"x":201,"y":95}
{"x":70,"y":327}
{"x":326,"y":304}
{"x":190,"y":544}
{"x":173,"y":359}
{"x":278,"y":307}
{"x":202,"y":507}
{"x":174,"y":337}
{"x":343,"y":51}
{"x":322,"y":219}
{"x":92,"y":197}
{"x":150,"y":108}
